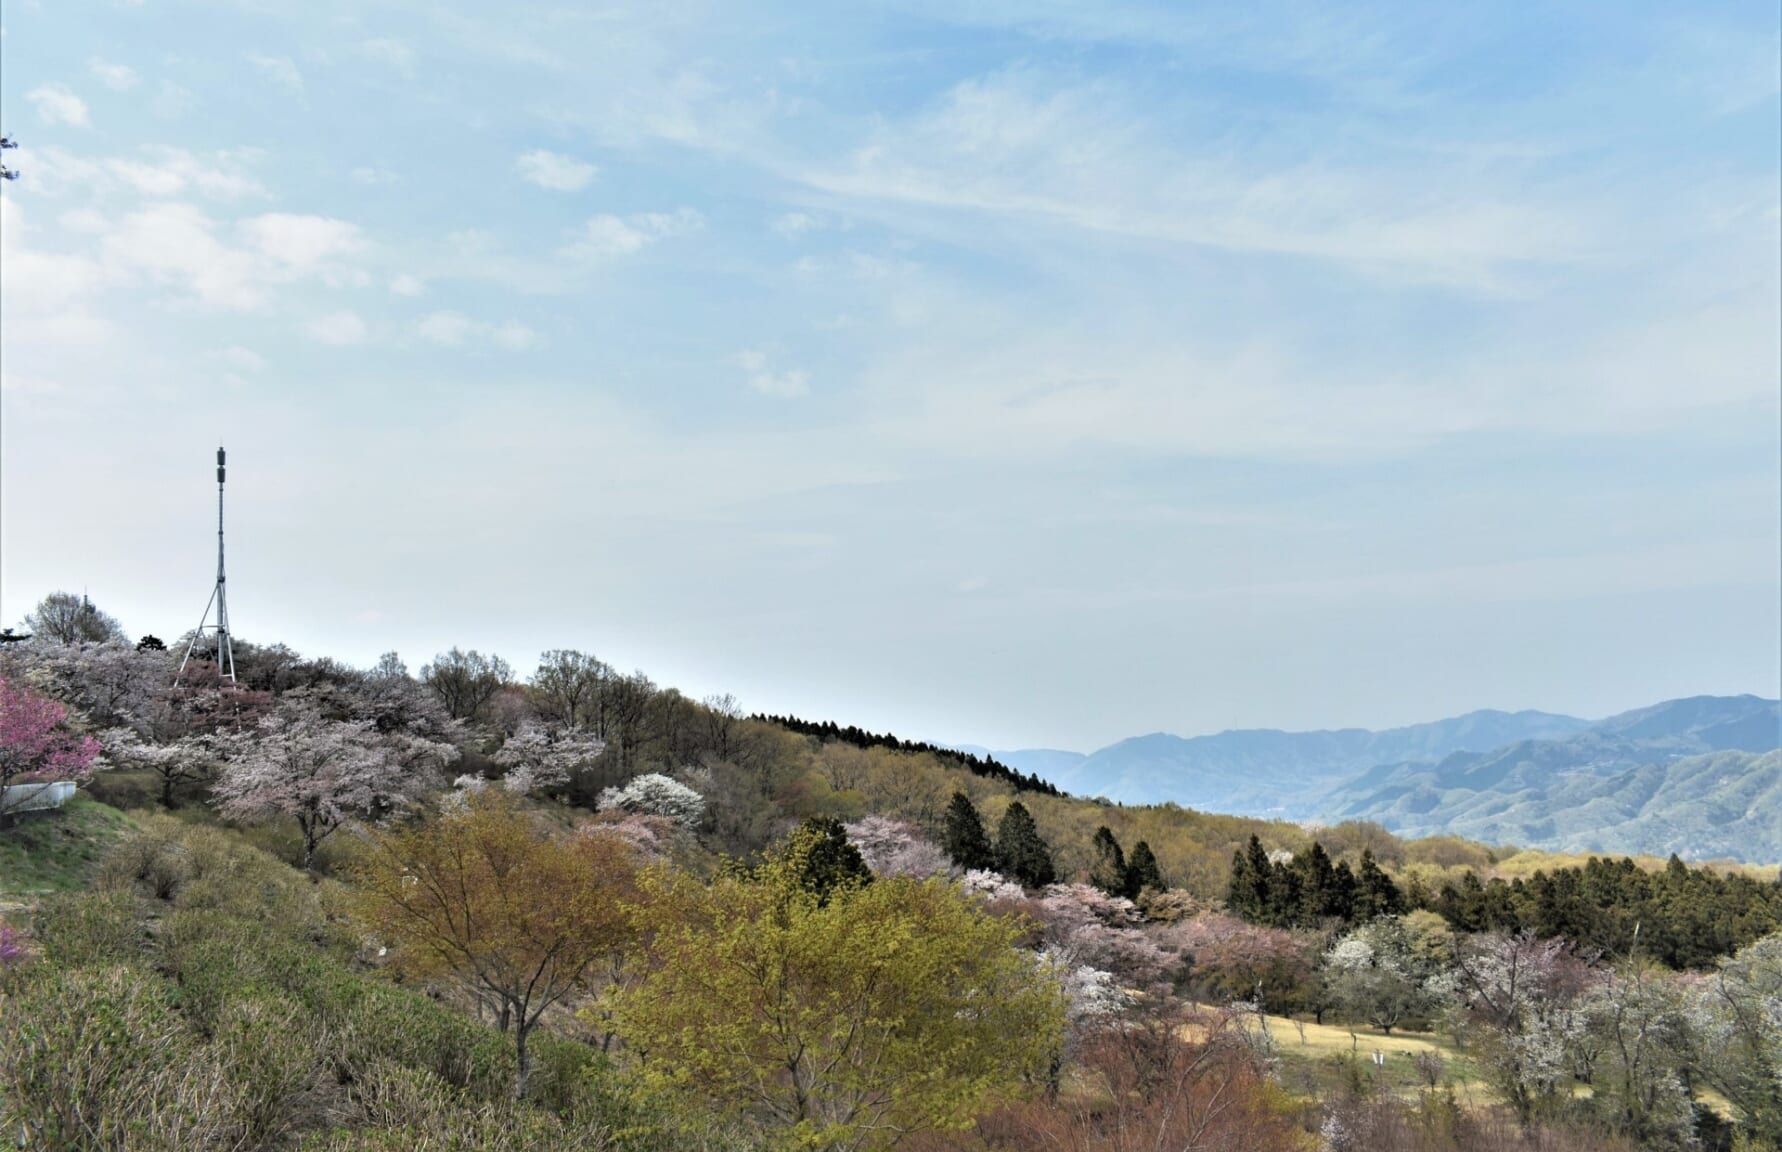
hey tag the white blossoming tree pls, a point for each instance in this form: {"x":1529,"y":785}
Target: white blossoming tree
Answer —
{"x":895,"y":848}
{"x":539,"y":757}
{"x":320,"y":772}
{"x":654,"y":794}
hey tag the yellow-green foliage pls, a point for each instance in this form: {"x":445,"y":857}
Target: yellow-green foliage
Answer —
{"x":895,"y":1006}
{"x":1526,"y":862}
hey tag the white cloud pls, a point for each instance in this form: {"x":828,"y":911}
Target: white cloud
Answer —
{"x":339,"y":329}
{"x":793,"y":224}
{"x":281,"y":70}
{"x":174,"y":172}
{"x":302,"y":244}
{"x":393,"y":53}
{"x":173,"y":101}
{"x":405,"y":284}
{"x":554,"y":170}
{"x":55,"y":104}
{"x":176,"y":245}
{"x":454,"y":330}
{"x":607,"y":235}
{"x":762,"y":378}
{"x":117,"y":77}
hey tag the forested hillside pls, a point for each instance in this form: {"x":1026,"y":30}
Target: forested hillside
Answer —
{"x":341,"y":909}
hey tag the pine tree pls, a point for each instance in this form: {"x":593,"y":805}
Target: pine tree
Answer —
{"x":1108,"y":871}
{"x":1246,"y":897}
{"x":1142,"y":871}
{"x":1023,"y":855}
{"x":964,"y":837}
{"x":1375,"y":893}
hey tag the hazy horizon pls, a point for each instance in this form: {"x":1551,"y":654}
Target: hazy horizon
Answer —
{"x":1022,"y":376}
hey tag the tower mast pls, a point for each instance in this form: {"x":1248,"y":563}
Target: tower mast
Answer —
{"x":218,"y":597}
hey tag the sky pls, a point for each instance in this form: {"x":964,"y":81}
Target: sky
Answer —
{"x":1032,"y":374}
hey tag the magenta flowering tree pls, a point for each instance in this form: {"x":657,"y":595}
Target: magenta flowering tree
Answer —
{"x":35,"y":747}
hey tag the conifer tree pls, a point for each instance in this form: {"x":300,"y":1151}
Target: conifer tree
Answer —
{"x":820,"y":859}
{"x":1375,"y":893}
{"x":964,"y":837}
{"x":1247,"y":896}
{"x":1108,"y":870}
{"x":1142,"y":871}
{"x":1021,"y":852}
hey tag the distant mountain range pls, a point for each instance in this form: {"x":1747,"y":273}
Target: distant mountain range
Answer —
{"x":1700,"y":776}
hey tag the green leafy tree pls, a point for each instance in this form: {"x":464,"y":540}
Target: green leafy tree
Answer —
{"x":1020,"y":850}
{"x":894,"y":1007}
{"x":1107,"y":869}
{"x":964,"y":837}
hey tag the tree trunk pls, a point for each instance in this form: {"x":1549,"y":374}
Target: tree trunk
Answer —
{"x":523,"y":1059}
{"x":167,"y":792}
{"x":309,"y":844}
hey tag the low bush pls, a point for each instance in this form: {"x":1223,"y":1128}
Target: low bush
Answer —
{"x":98,"y":1058}
{"x":82,"y":928}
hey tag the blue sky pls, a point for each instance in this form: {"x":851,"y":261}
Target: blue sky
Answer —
{"x":1032,"y":374}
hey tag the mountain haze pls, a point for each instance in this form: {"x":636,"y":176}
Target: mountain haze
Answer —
{"x":1271,"y":772}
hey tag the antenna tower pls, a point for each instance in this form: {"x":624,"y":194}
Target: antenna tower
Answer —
{"x":225,"y":650}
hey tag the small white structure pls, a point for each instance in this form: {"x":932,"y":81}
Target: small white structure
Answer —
{"x":35,"y":797}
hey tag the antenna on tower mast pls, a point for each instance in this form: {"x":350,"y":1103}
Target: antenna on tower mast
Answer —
{"x":225,"y":649}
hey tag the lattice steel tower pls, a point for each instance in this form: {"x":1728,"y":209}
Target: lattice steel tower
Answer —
{"x":225,"y":650}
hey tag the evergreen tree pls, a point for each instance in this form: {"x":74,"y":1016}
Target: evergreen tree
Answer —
{"x":964,"y":837}
{"x":1142,"y":871}
{"x":1246,"y":897}
{"x":1108,"y":870}
{"x":1375,"y":893}
{"x":1321,"y":895}
{"x":820,"y":858}
{"x":1023,"y":855}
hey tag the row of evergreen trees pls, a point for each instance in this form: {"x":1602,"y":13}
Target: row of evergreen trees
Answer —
{"x":1019,"y":852}
{"x":1307,"y":890}
{"x":986,"y":766}
{"x":1683,"y":917}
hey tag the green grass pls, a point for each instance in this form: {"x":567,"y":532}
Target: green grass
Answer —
{"x":57,"y":851}
{"x":1308,"y":1052}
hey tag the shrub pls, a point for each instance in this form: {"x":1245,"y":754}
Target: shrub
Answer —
{"x":98,"y":1058}
{"x":84,"y":928}
{"x":267,"y":1053}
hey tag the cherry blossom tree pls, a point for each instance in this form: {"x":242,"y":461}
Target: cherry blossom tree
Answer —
{"x":35,"y":747}
{"x":539,"y":757}
{"x":1520,"y":998}
{"x":896,"y":848}
{"x":299,"y":764}
{"x":654,"y":794}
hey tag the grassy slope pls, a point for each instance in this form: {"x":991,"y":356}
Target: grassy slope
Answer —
{"x":57,"y":851}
